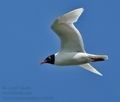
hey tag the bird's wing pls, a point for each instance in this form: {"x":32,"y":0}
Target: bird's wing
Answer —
{"x":90,"y":68}
{"x":71,"y":39}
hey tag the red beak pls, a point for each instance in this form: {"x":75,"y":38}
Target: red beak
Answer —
{"x":43,"y":62}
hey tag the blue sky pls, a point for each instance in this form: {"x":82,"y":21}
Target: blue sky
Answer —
{"x":26,"y":39}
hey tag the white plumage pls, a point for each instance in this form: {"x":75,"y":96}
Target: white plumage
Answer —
{"x":72,"y":50}
{"x":71,"y":39}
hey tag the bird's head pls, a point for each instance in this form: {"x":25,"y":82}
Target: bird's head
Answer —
{"x":50,"y":59}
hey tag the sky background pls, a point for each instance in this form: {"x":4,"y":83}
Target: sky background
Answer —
{"x":26,"y":38}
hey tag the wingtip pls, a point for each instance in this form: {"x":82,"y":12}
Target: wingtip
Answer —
{"x":81,"y":9}
{"x":91,"y":69}
{"x":98,"y":73}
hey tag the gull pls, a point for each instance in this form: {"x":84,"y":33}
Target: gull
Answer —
{"x":72,"y":52}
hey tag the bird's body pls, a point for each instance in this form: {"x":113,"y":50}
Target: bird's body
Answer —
{"x":71,"y":58}
{"x":72,"y":50}
{"x":75,"y":58}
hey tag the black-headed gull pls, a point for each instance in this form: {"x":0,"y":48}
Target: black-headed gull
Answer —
{"x":72,"y":50}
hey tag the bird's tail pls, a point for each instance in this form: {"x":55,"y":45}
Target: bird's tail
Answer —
{"x":96,"y":58}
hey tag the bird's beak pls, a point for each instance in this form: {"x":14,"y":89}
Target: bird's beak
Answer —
{"x":43,"y":62}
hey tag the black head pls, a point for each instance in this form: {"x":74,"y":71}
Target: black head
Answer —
{"x":50,"y":59}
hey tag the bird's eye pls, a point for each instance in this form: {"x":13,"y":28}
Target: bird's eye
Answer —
{"x":49,"y":57}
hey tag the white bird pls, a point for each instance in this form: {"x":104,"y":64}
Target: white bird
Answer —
{"x":72,"y":50}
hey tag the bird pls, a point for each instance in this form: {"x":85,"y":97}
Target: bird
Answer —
{"x":72,"y":51}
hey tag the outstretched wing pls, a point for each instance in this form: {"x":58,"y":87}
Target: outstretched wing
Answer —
{"x":88,"y":67}
{"x":71,"y":39}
